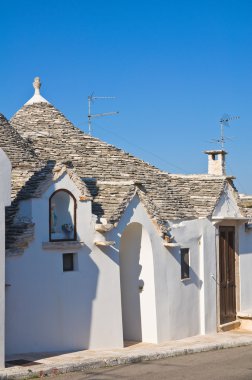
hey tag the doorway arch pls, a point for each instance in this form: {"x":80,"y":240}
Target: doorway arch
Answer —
{"x":137,"y":285}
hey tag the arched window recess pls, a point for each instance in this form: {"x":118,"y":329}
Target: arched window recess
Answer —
{"x":62,"y":216}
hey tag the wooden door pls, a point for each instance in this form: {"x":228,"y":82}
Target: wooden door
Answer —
{"x":227,"y":274}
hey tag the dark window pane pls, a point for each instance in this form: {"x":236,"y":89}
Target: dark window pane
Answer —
{"x":68,"y":262}
{"x":184,"y":263}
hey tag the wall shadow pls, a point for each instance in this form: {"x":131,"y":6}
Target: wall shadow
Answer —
{"x":55,"y":311}
{"x":130,"y":270}
{"x":194,"y":278}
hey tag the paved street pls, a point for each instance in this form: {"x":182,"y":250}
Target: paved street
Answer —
{"x":228,"y":364}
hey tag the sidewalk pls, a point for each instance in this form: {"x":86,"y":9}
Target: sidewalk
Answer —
{"x":40,"y":365}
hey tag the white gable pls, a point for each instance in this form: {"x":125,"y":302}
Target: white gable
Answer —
{"x":60,"y":181}
{"x":227,"y":207}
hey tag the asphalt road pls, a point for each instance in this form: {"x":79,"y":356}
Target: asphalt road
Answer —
{"x":228,"y":364}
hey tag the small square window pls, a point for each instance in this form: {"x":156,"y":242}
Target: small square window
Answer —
{"x":68,"y":262}
{"x":185,"y":268}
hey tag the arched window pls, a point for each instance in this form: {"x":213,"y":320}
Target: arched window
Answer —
{"x":62,"y":216}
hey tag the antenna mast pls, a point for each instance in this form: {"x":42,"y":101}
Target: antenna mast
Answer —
{"x":224,"y":122}
{"x":91,"y":116}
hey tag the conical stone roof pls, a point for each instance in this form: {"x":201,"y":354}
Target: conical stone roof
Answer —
{"x":111,"y":174}
{"x":54,"y":136}
{"x":24,"y":160}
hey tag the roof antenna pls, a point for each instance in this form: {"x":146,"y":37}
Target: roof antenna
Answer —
{"x":224,"y":122}
{"x":91,"y":116}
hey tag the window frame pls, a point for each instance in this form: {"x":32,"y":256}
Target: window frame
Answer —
{"x":185,"y":267}
{"x":74,"y":218}
{"x":73,"y":259}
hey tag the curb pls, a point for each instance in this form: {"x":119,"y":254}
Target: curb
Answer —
{"x":124,"y":359}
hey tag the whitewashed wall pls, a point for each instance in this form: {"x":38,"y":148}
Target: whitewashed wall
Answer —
{"x":187,"y":307}
{"x":5,"y":200}
{"x":137,"y":285}
{"x":51,"y":310}
{"x":245,"y":243}
{"x":183,"y":308}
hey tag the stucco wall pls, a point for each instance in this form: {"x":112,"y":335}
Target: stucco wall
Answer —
{"x":51,"y":310}
{"x":183,"y":308}
{"x":137,"y":285}
{"x":5,"y":193}
{"x":2,"y":281}
{"x":187,"y":307}
{"x":245,"y":248}
{"x":5,"y":172}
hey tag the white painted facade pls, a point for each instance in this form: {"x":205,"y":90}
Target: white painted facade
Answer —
{"x":5,"y":200}
{"x":183,"y":307}
{"x":62,"y":311}
{"x":245,"y":248}
{"x":132,"y":290}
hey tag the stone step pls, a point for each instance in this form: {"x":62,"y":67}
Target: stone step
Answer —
{"x":230,"y":326}
{"x":245,"y":314}
{"x":245,"y":318}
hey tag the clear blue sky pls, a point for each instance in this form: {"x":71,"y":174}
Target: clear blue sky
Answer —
{"x":175,"y":68}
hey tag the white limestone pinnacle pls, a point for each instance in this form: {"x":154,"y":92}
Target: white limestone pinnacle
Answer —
{"x":37,"y":98}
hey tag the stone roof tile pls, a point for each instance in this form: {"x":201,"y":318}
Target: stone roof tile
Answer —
{"x":172,"y":196}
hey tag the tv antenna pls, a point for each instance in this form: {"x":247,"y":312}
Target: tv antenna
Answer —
{"x":91,"y":99}
{"x":224,"y":122}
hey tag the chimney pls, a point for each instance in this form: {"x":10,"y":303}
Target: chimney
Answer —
{"x":216,"y":162}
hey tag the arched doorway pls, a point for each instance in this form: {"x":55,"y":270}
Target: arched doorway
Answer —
{"x":137,"y":285}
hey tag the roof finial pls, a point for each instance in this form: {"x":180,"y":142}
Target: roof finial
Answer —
{"x":37,"y":98}
{"x":37,"y":85}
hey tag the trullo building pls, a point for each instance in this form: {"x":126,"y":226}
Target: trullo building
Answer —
{"x":102,"y":247}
